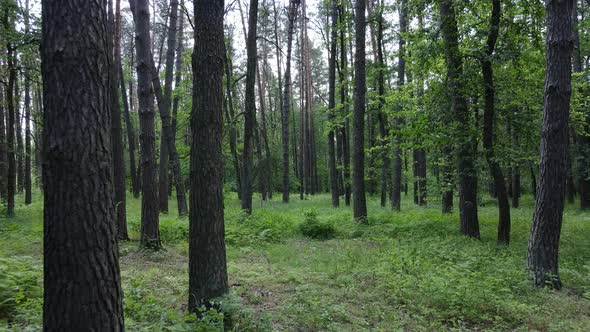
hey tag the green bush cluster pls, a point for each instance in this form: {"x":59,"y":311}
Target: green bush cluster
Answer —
{"x":315,"y":229}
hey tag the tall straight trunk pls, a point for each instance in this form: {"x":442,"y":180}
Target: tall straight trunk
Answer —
{"x":358,"y":132}
{"x":3,"y":152}
{"x":131,"y":138}
{"x":167,"y":140}
{"x":116,"y":131}
{"x":401,"y":72}
{"x":533,"y":180}
{"x":333,"y":172}
{"x":516,"y":192}
{"x":38,"y":128}
{"x":383,"y":127}
{"x":10,"y":146}
{"x":286,"y":101}
{"x":465,"y":164}
{"x":301,"y":156}
{"x":174,"y":159}
{"x":231,"y":119}
{"x":264,"y":167}
{"x":82,"y":284}
{"x":150,"y":224}
{"x":20,"y":170}
{"x":420,"y":181}
{"x":542,"y":261}
{"x":488,"y":126}
{"x":27,"y":117}
{"x":308,"y":160}
{"x":250,"y":108}
{"x":345,"y":129}
{"x":207,"y":258}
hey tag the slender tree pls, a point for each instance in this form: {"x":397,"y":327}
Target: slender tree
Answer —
{"x":466,"y":168}
{"x":131,"y":137}
{"x":333,"y":172}
{"x":488,"y":125}
{"x":10,"y":124}
{"x":286,"y":104}
{"x":27,"y":118}
{"x":80,"y":248}
{"x":150,"y":224}
{"x":3,"y":152}
{"x":250,"y":108}
{"x":543,"y":245}
{"x":358,"y":135}
{"x":207,"y":260}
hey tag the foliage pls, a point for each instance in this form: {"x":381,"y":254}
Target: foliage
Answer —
{"x":313,"y":228}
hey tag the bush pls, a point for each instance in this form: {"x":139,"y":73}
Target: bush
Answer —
{"x":315,"y":229}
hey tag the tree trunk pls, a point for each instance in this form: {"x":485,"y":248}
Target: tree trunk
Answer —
{"x":383,"y":128}
{"x":207,"y":259}
{"x":116,"y":132}
{"x":543,"y":245}
{"x":465,"y":165}
{"x":488,"y":126}
{"x":250,"y":108}
{"x":167,"y":140}
{"x":345,"y":129}
{"x":360,"y":90}
{"x":286,"y":103}
{"x":82,"y":285}
{"x":10,"y":146}
{"x":3,"y":152}
{"x":401,"y":72}
{"x":20,"y":170}
{"x":27,"y":171}
{"x":332,"y":108}
{"x":150,"y":228}
{"x":230,"y":114}
{"x":130,"y":136}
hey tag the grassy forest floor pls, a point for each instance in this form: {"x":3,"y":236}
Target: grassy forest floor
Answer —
{"x":403,"y":271}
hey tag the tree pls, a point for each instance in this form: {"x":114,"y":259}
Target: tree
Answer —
{"x":360,"y":90}
{"x":542,"y":261}
{"x":27,"y":170}
{"x":286,"y":105}
{"x":116,"y":132}
{"x":250,"y":108}
{"x":456,"y":86}
{"x":332,"y":107}
{"x":10,"y":124}
{"x":150,"y":228}
{"x":207,"y":260}
{"x":488,"y":125}
{"x":80,"y":247}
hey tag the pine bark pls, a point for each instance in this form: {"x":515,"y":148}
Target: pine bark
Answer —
{"x":488,"y":126}
{"x":150,"y":224}
{"x":465,"y":164}
{"x":360,"y":90}
{"x":82,"y":286}
{"x":333,"y":173}
{"x":207,"y":258}
{"x":286,"y":101}
{"x":542,"y":261}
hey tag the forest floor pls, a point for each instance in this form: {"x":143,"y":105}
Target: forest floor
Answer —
{"x":404,"y":271}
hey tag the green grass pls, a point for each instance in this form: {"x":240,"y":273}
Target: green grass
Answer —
{"x":403,"y":271}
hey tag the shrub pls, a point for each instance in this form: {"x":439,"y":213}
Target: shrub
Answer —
{"x":315,"y":229}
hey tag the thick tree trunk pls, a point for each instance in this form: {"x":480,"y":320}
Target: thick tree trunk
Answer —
{"x":360,"y":90}
{"x":250,"y":108}
{"x":82,"y":285}
{"x":333,"y":172}
{"x":207,"y":259}
{"x":543,"y":245}
{"x":116,"y":131}
{"x":167,"y":140}
{"x":286,"y":101}
{"x":150,"y":228}
{"x":488,"y":126}
{"x":465,"y":165}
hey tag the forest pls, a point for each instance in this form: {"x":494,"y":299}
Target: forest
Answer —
{"x":295,"y":165}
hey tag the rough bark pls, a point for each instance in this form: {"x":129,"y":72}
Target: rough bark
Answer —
{"x":360,"y":90}
{"x":207,"y":259}
{"x":286,"y":101}
{"x":488,"y":126}
{"x":332,"y":171}
{"x":116,"y":131}
{"x":542,"y":261}
{"x":465,"y":164}
{"x":82,"y":286}
{"x":250,"y":108}
{"x":150,"y":224}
